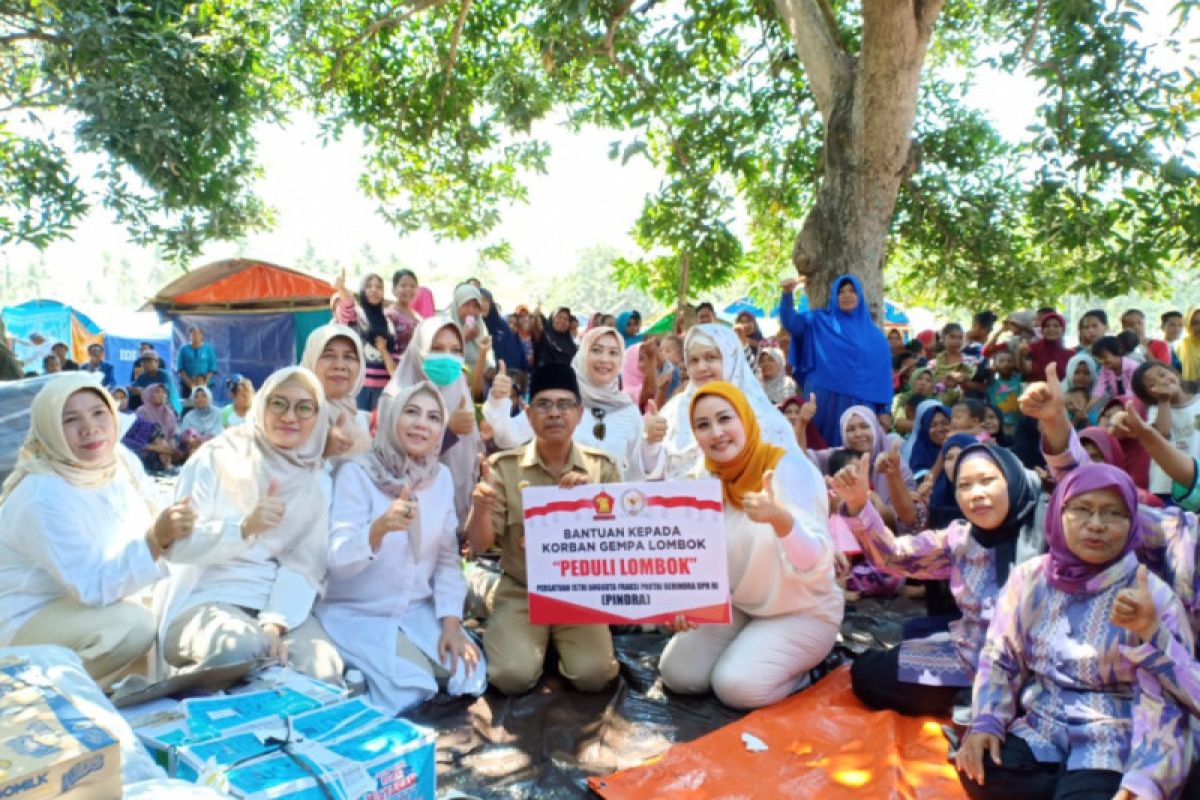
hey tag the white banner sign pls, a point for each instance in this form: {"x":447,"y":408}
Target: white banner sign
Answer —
{"x":626,"y":553}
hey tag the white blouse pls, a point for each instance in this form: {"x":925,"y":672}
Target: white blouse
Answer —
{"x":61,"y":540}
{"x":221,"y":566}
{"x":412,"y":582}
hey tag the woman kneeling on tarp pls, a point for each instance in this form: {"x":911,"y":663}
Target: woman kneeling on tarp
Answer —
{"x":787,"y":607}
{"x":396,"y":589}
{"x":80,"y":533}
{"x":1059,"y":708}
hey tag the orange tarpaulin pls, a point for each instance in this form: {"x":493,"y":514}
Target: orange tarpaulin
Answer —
{"x":821,"y":743}
{"x":242,"y":284}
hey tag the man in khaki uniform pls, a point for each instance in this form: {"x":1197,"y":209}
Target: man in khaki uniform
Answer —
{"x":516,"y":649}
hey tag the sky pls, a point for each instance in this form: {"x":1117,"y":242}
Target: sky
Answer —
{"x":584,"y":199}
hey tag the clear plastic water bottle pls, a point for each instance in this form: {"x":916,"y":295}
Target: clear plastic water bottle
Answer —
{"x":355,"y":682}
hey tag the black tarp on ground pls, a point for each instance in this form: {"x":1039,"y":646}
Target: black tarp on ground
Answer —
{"x":546,"y":743}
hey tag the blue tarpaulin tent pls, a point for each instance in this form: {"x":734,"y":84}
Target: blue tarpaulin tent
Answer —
{"x":37,"y":324}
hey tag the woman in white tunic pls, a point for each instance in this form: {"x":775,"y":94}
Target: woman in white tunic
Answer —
{"x":712,"y":353}
{"x":79,"y":532}
{"x":611,"y":421}
{"x":396,"y":589}
{"x":787,"y":608}
{"x":334,"y":353}
{"x":436,"y":355}
{"x":255,"y":564}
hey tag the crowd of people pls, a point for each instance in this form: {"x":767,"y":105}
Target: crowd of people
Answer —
{"x":1037,"y":495}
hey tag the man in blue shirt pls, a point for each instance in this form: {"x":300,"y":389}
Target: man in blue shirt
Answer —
{"x":96,"y":363}
{"x":196,"y":362}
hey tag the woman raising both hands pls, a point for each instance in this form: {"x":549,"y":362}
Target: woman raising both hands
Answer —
{"x":785,"y":600}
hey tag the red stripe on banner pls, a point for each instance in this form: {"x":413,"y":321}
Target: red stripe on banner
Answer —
{"x":559,"y":505}
{"x":684,"y":502}
{"x":550,"y":611}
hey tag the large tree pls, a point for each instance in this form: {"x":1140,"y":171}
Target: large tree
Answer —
{"x":830,"y":132}
{"x":161,"y":95}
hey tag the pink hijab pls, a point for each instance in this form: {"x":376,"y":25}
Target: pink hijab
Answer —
{"x":423,"y":302}
{"x":631,"y":375}
{"x":162,"y":414}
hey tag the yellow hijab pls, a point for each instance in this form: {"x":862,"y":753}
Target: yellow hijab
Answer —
{"x":1189,"y":348}
{"x":743,"y":474}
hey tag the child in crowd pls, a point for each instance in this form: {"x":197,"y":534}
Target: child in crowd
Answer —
{"x":1005,"y":389}
{"x":856,"y":577}
{"x":951,"y":369}
{"x":1173,"y":411}
{"x":1115,"y":381}
{"x":1077,"y":408}
{"x":968,"y":416}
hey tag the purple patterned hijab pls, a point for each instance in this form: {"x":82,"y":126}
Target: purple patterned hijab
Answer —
{"x":1067,"y":571}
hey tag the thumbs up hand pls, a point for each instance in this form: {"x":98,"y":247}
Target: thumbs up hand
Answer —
{"x":852,"y":484}
{"x":763,"y":506}
{"x":654,"y":425}
{"x":404,"y":514}
{"x":484,"y":497}
{"x":338,"y":442}
{"x":809,"y":410}
{"x":266,"y":514}
{"x":1045,"y":401}
{"x":888,"y":462}
{"x":501,"y":384}
{"x":462,"y":419}
{"x":174,"y":523}
{"x":1133,"y":608}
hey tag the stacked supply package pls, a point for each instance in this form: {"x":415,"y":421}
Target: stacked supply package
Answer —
{"x":48,"y":746}
{"x":288,"y":742}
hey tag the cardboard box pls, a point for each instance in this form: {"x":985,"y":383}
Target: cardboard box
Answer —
{"x":48,"y":747}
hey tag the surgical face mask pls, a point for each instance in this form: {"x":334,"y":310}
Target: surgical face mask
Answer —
{"x":443,"y":368}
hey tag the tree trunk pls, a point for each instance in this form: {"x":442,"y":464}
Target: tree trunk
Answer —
{"x":868,"y":104}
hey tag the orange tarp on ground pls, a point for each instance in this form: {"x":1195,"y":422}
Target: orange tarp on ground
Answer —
{"x":822,"y":743}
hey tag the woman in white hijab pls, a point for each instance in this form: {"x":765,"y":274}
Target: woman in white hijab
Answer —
{"x":436,"y":355}
{"x":466,"y":311}
{"x":334,"y":353}
{"x":79,"y":532}
{"x":712,"y":353}
{"x":396,"y":588}
{"x":256,"y":562}
{"x":611,"y":421}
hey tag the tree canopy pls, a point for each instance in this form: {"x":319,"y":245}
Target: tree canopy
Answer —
{"x":725,"y":97}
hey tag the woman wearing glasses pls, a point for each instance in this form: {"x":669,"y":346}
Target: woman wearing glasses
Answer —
{"x":249,"y":575}
{"x":611,"y":421}
{"x":1058,"y":708}
{"x":436,"y":355}
{"x":396,"y":589}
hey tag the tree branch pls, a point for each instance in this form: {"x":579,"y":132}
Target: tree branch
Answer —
{"x":453,"y":55}
{"x":611,"y":34}
{"x":371,"y":30}
{"x":24,"y":36}
{"x":1033,"y":30}
{"x":826,"y":63}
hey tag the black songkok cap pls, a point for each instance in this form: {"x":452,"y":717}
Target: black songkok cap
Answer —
{"x":554,"y":376}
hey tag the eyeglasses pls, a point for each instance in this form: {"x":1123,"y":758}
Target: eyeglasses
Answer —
{"x":305,"y":409}
{"x":546,"y":405}
{"x":1109,"y":517}
{"x":599,"y":429}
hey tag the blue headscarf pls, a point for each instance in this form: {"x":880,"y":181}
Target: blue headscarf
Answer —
{"x":623,"y":323}
{"x":943,"y":504}
{"x":923,"y":452}
{"x":845,"y":352}
{"x":505,"y":344}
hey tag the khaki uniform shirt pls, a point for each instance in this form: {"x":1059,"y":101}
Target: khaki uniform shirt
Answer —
{"x":515,"y":469}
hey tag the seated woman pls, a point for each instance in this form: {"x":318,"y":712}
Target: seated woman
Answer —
{"x":241,"y":392}
{"x":930,"y":429}
{"x":396,"y":590}
{"x":201,"y":423}
{"x":669,"y":449}
{"x":80,"y":533}
{"x":153,"y":433}
{"x":998,"y":497}
{"x":256,"y":561}
{"x":1057,"y":706}
{"x":787,"y":607}
{"x":334,"y":353}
